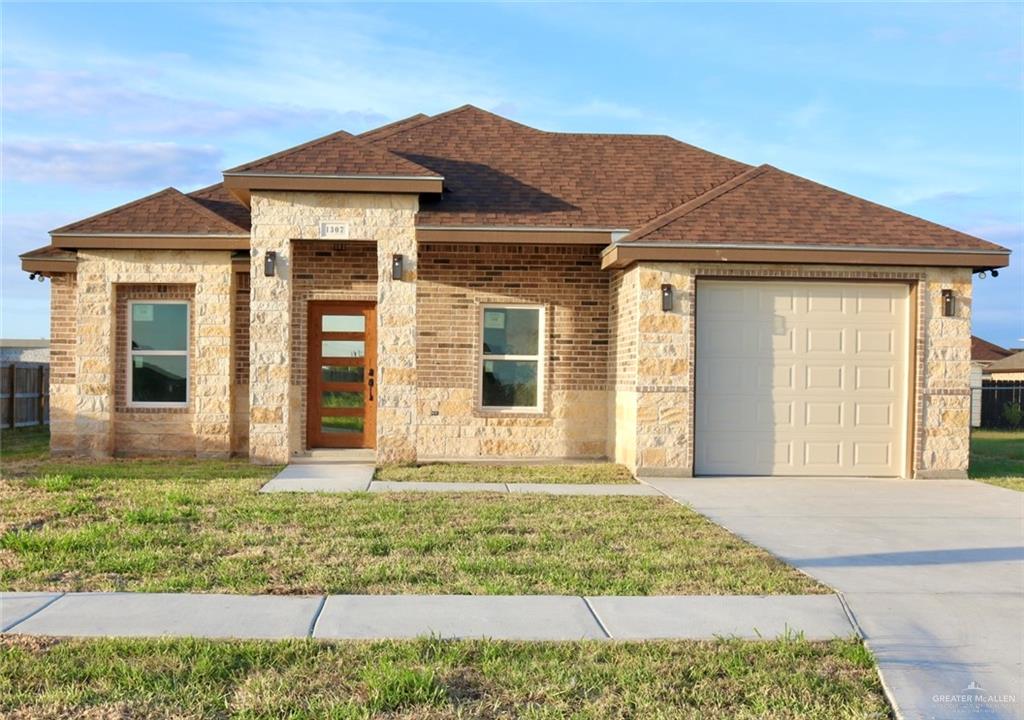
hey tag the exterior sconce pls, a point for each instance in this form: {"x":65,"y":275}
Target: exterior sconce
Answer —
{"x":666,"y":298}
{"x":948,"y":303}
{"x":269,"y":263}
{"x":397,"y":267}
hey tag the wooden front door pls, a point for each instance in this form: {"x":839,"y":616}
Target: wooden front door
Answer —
{"x":342,"y":396}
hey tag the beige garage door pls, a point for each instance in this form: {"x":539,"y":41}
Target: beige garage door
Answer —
{"x":801,"y":378}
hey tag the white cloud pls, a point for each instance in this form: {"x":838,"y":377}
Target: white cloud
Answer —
{"x":144,"y":164}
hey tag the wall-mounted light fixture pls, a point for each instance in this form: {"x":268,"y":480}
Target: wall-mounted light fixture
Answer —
{"x":666,"y":298}
{"x":397,"y":267}
{"x":948,"y":303}
{"x":269,"y":263}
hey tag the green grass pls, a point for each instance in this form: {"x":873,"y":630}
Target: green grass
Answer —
{"x":73,"y":531}
{"x":602,"y":473}
{"x":997,"y":458}
{"x":24,"y":443}
{"x":430,"y":679}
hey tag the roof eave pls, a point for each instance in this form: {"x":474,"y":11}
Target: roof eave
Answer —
{"x":619,"y":255}
{"x":150,"y":241}
{"x":241,"y":185}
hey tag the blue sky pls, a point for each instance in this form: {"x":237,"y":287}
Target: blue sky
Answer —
{"x":916,"y":106}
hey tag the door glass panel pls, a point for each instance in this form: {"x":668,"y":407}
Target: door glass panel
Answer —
{"x":343,"y":323}
{"x":338,"y":425}
{"x":341,"y":373}
{"x":342,"y":348}
{"x":339,"y":399}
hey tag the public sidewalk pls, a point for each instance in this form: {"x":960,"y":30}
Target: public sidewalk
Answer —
{"x":520,"y":617}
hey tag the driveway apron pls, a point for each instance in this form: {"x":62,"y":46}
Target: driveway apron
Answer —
{"x":931,"y":570}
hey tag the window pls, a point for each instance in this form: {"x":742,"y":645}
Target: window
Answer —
{"x":158,"y":353}
{"x":512,"y":368}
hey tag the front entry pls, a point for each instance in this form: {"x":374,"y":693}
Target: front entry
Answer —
{"x":342,"y":396}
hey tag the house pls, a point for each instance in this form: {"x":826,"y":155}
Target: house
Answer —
{"x":983,"y":353}
{"x":463,"y":286}
{"x":1010,"y":367}
{"x":25,"y":351}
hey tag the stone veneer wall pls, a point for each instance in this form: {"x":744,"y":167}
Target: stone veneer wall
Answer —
{"x":622,"y":356}
{"x":664,"y":380}
{"x":100,"y":272}
{"x":278,"y":218}
{"x":324,"y":271}
{"x":63,"y":350}
{"x":455,"y":280}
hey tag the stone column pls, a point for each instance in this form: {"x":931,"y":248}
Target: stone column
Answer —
{"x":270,"y":306}
{"x":944,"y":440}
{"x":212,"y":372}
{"x":396,"y":347}
{"x":94,"y":363}
{"x":664,"y":430}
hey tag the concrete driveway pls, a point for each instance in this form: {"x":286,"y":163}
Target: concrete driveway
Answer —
{"x":933,"y":571}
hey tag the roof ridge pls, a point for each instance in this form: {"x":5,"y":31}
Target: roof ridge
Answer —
{"x":419,"y":123}
{"x":300,"y":146}
{"x":111,"y":211}
{"x":690,"y":205}
{"x":387,"y":127}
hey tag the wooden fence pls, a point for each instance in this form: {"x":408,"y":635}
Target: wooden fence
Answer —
{"x":24,"y":394}
{"x":996,"y":395}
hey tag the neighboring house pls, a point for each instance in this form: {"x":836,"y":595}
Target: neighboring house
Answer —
{"x":26,"y":351}
{"x":464,"y":286}
{"x":1008,"y":368}
{"x":983,"y":353}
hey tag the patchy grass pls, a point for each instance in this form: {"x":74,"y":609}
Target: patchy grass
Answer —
{"x":76,"y":531}
{"x":997,"y":457}
{"x":581,"y":473}
{"x":21,"y":444}
{"x":430,"y":679}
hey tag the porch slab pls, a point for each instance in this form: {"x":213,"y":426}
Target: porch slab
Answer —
{"x":173,"y":614}
{"x":580,"y":489}
{"x":530,"y":617}
{"x":15,"y":607}
{"x":322,"y":477}
{"x":752,"y":617}
{"x":419,"y":486}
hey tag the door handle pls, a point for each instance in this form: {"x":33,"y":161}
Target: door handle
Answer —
{"x":371,"y":388}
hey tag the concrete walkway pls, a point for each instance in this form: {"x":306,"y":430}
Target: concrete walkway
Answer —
{"x":354,"y":477}
{"x":932,"y":570}
{"x":525,"y":617}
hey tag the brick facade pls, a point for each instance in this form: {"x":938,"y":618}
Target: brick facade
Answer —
{"x":63,"y":351}
{"x":455,"y":281}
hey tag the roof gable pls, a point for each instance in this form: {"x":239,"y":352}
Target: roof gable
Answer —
{"x":766,"y":206}
{"x":165,"y":212}
{"x":339,"y":154}
{"x":1011,"y":363}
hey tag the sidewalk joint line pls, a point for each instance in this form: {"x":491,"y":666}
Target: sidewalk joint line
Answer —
{"x":316,"y":616}
{"x":35,"y":612}
{"x":597,"y":618}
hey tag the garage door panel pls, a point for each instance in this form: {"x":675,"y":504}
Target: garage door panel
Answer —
{"x":822,"y":388}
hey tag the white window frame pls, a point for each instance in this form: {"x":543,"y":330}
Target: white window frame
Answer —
{"x":166,"y":353}
{"x":538,"y":358}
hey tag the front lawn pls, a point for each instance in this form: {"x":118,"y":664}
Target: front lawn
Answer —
{"x":431,"y":679}
{"x":74,"y":531}
{"x":997,"y":457}
{"x":600,"y":473}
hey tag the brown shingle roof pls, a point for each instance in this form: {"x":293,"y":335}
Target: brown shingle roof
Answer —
{"x":766,"y":206}
{"x":1012,"y":363}
{"x":391,"y":127}
{"x":338,"y":154}
{"x":985,"y":351}
{"x":167,"y":211}
{"x":48,"y":252}
{"x":499,"y":172}
{"x":217,"y":199}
